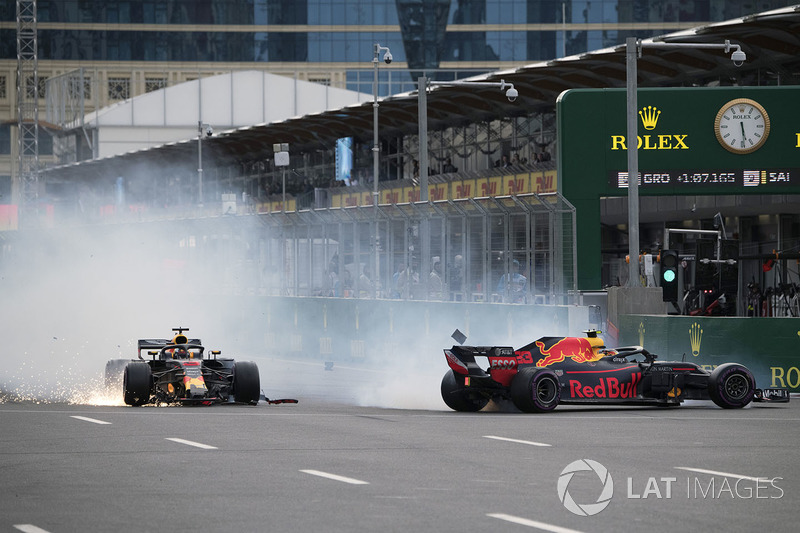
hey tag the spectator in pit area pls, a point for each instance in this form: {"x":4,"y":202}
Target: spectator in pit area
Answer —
{"x":448,"y":167}
{"x":347,"y":284}
{"x":435,"y":280}
{"x":513,"y":286}
{"x":334,"y":287}
{"x":515,"y":159}
{"x":504,"y":162}
{"x":365,"y":283}
{"x":399,"y":282}
{"x":456,"y":278}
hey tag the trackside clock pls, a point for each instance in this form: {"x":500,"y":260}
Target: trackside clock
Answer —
{"x":742,"y":126}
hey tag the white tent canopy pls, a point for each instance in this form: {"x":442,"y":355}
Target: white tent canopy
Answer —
{"x":224,"y":102}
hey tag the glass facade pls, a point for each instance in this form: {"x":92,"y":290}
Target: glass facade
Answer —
{"x":423,"y":33}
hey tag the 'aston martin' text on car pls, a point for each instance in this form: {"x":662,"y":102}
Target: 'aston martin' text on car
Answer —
{"x":180,"y":370}
{"x":580,"y":370}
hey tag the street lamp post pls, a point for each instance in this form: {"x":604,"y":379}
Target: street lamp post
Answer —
{"x":633,"y":51}
{"x":202,"y":130}
{"x":422,"y":105}
{"x":387,"y":58}
{"x":281,"y":153}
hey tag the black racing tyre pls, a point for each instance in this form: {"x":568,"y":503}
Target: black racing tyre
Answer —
{"x":137,"y":382}
{"x":246,"y":382}
{"x":458,"y":397}
{"x":731,"y":386}
{"x":535,"y":390}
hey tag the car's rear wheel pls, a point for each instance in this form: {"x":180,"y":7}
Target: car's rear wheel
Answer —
{"x":246,"y":382}
{"x":458,"y":397}
{"x":137,"y":381}
{"x":731,"y":386}
{"x":535,"y":390}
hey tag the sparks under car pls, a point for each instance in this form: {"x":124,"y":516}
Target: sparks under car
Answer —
{"x":181,"y":371}
{"x":580,"y":370}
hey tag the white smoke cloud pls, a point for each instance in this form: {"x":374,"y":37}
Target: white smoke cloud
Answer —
{"x":74,"y":298}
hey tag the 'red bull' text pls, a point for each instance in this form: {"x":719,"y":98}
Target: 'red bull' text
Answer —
{"x":608,"y":388}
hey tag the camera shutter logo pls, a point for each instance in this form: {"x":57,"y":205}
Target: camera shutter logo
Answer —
{"x":585,"y":509}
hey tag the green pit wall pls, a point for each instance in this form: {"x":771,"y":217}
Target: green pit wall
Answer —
{"x":769,"y":347}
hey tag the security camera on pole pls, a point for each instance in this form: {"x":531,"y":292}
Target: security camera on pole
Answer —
{"x":387,"y":58}
{"x":633,"y":51}
{"x":422,"y":105}
{"x":422,"y":96}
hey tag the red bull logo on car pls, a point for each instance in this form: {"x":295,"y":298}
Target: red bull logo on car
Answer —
{"x":579,"y":349}
{"x":607,"y":388}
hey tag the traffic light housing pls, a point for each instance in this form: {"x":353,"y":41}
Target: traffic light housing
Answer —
{"x":669,"y":275}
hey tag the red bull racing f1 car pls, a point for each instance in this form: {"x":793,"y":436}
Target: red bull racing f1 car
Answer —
{"x":580,"y":370}
{"x":181,"y":371}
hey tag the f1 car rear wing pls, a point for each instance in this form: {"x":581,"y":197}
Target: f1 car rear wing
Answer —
{"x":157,"y":344}
{"x":462,"y":358}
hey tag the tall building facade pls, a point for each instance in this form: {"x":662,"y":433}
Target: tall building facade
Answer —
{"x":132,"y":47}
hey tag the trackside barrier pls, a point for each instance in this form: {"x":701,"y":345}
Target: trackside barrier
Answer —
{"x":769,"y":347}
{"x":370,"y":331}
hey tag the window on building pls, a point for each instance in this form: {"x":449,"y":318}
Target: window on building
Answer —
{"x":5,"y":189}
{"x":29,"y":88}
{"x":154,"y":84}
{"x":119,"y":88}
{"x":5,"y":139}
{"x":45,"y":142}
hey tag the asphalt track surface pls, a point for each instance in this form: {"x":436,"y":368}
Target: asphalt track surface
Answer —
{"x":322,"y":467}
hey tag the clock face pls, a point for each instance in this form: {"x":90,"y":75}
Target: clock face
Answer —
{"x":742,"y":126}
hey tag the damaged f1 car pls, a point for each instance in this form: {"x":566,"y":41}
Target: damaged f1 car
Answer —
{"x":580,"y":370}
{"x":181,"y":371}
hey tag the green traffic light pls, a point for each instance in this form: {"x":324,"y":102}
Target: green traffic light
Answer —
{"x":669,"y":275}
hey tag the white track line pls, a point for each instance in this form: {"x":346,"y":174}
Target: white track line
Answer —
{"x":192,"y":443}
{"x":29,"y":528}
{"x":532,"y":523}
{"x":528,"y":442}
{"x":92,"y":420}
{"x":723,"y":474}
{"x":335,"y":477}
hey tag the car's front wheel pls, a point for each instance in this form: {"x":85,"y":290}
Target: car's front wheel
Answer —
{"x":137,"y":381}
{"x":458,"y":397}
{"x":535,"y":390}
{"x":731,"y":386}
{"x":246,"y":383}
